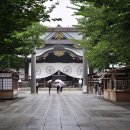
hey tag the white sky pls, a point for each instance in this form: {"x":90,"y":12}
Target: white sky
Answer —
{"x":61,"y":11}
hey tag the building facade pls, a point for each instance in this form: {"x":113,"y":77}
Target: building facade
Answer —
{"x":61,"y":57}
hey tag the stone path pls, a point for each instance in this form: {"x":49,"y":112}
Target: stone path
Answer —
{"x":66,"y":111}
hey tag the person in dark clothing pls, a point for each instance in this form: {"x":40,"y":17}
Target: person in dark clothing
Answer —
{"x":49,"y":85}
{"x":37,"y":87}
{"x":96,"y":87}
{"x":58,"y":88}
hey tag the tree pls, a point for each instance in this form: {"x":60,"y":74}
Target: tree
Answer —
{"x":17,"y":18}
{"x":29,"y":38}
{"x":105,"y":26}
{"x":11,"y":61}
{"x":15,"y":15}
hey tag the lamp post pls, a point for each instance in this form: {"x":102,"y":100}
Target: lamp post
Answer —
{"x":33,"y":71}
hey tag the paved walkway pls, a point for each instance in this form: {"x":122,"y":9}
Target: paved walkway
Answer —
{"x":66,"y":111}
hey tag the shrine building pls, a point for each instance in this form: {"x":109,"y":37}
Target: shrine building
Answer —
{"x":60,"y":57}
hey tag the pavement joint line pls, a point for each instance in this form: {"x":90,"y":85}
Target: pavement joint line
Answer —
{"x":47,"y":111}
{"x":72,"y":113}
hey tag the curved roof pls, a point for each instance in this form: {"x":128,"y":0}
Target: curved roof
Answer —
{"x":62,"y":29}
{"x":59,"y":39}
{"x":42,"y":51}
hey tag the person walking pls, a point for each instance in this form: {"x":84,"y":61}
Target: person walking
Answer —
{"x":96,"y":87}
{"x":62,"y":85}
{"x":80,"y":83}
{"x":58,"y":86}
{"x":37,"y":86}
{"x":49,"y":83}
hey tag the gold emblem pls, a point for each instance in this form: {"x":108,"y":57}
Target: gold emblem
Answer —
{"x":58,"y":36}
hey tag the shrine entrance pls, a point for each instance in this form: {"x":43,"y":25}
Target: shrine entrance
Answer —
{"x":70,"y":82}
{"x":59,"y":54}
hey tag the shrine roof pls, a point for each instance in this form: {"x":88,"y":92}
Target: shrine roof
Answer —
{"x":58,"y":42}
{"x":5,"y":70}
{"x":48,"y":49}
{"x":62,"y":29}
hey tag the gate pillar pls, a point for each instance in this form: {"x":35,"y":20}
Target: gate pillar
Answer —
{"x":33,"y":71}
{"x":85,"y":73}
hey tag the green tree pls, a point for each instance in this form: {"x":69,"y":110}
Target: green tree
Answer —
{"x":11,"y":61}
{"x":30,"y":38}
{"x":18,"y":27}
{"x":15,"y":15}
{"x":105,"y":26}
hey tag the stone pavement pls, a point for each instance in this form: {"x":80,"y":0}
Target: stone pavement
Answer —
{"x":70,"y":110}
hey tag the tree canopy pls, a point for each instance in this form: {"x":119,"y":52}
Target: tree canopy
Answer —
{"x":30,"y":38}
{"x":105,"y":26}
{"x":16,"y":15}
{"x":20,"y":28}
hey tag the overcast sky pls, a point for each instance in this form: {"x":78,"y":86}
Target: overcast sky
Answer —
{"x":61,"y":11}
